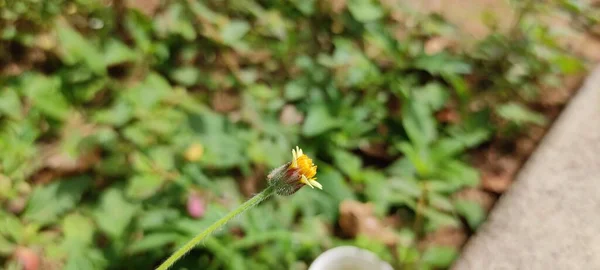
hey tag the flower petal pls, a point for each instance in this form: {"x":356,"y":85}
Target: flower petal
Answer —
{"x":316,"y":184}
{"x":305,"y":181}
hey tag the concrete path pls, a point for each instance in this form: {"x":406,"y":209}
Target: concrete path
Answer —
{"x":550,"y":217}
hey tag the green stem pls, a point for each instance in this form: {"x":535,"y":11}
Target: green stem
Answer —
{"x":266,"y":193}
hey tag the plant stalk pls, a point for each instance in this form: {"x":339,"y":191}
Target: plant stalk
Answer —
{"x":258,"y":198}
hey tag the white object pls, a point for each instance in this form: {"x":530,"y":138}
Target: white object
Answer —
{"x":349,"y":258}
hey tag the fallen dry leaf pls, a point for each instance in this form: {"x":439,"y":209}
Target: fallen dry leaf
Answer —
{"x":147,"y":7}
{"x":438,"y":44}
{"x":357,"y":218}
{"x":481,"y":197}
{"x":223,"y":101}
{"x":373,"y":149}
{"x":445,"y":236}
{"x":290,"y":115}
{"x":448,"y":115}
{"x":497,"y":176}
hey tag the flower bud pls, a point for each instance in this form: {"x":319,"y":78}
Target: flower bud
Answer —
{"x":195,"y":205}
{"x":290,"y":177}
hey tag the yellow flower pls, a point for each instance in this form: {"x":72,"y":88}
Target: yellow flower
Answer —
{"x":290,"y":177}
{"x":306,"y":168}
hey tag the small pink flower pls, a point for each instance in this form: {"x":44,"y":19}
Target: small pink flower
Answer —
{"x":195,"y":205}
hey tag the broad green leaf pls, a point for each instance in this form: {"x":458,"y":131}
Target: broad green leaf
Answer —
{"x":11,"y":228}
{"x":157,"y":218}
{"x":378,"y":191}
{"x":116,"y":52}
{"x":458,"y":173}
{"x":432,"y":94}
{"x":418,"y":123}
{"x":144,"y":186}
{"x":437,"y":219}
{"x":334,"y":184}
{"x":520,"y":114}
{"x":150,"y":92}
{"x":295,"y":90}
{"x":365,"y":10}
{"x":472,"y":211}
{"x":348,"y":163}
{"x":117,"y":115}
{"x":78,"y":229}
{"x":10,"y":104}
{"x":85,"y":258}
{"x":446,"y":148}
{"x":419,"y":157}
{"x":45,"y":94}
{"x":6,"y":247}
{"x":568,"y":64}
{"x":115,"y":213}
{"x":139,"y":27}
{"x":154,"y":241}
{"x":318,"y":120}
{"x":439,"y":256}
{"x":442,"y":64}
{"x":47,"y":203}
{"x":186,"y":76}
{"x":76,"y":48}
{"x":234,"y":31}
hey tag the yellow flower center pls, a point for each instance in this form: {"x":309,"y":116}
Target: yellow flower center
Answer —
{"x":305,"y":166}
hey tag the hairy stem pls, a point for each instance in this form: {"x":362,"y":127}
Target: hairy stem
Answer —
{"x":266,"y":193}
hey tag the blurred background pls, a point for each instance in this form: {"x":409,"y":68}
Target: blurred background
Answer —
{"x":127,"y":127}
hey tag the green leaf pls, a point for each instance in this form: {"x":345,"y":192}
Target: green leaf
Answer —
{"x":150,"y":92}
{"x":85,"y":258}
{"x":76,"y":48}
{"x":154,"y":241}
{"x":46,"y":96}
{"x":78,"y":229}
{"x":520,"y":114}
{"x":365,"y":10}
{"x":117,"y":115}
{"x":114,"y":214}
{"x":437,"y":219}
{"x":472,"y":211}
{"x":186,"y":76}
{"x":144,"y":186}
{"x":439,"y":256}
{"x":47,"y":203}
{"x":233,"y":31}
{"x":442,"y":64}
{"x":6,"y":247}
{"x":377,"y":189}
{"x":116,"y":53}
{"x":295,"y":90}
{"x":11,"y":228}
{"x":446,"y":148}
{"x":157,"y":218}
{"x":418,"y":122}
{"x":334,"y":184}
{"x":458,"y":173}
{"x":139,"y":27}
{"x":318,"y":121}
{"x":432,"y":94}
{"x":10,"y":104}
{"x":348,"y":163}
{"x":568,"y":64}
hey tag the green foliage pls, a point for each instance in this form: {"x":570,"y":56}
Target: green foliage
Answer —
{"x":110,"y":117}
